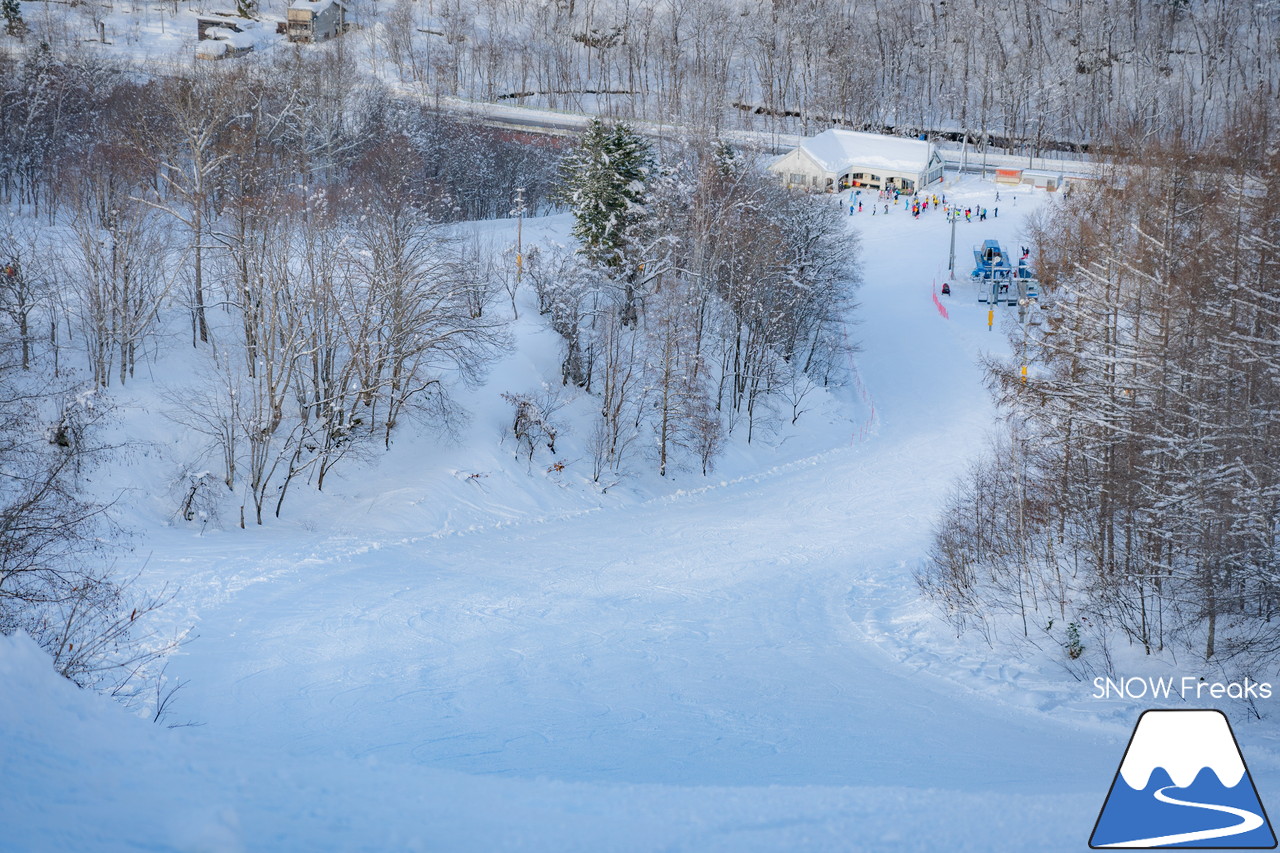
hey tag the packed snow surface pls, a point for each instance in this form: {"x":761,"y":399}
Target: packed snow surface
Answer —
{"x":455,"y":650}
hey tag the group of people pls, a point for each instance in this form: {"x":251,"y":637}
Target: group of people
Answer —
{"x":980,"y":213}
{"x":918,"y":204}
{"x":921,"y":204}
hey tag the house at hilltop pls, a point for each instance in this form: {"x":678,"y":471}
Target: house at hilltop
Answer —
{"x":838,"y":159}
{"x":316,"y":20}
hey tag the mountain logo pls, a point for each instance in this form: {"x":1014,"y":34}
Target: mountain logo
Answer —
{"x":1183,"y":783}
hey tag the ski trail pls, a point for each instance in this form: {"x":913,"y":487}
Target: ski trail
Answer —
{"x":705,"y":637}
{"x":1249,"y":822}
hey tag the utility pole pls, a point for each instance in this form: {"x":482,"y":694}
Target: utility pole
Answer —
{"x":1024,"y":311}
{"x":951,"y":266}
{"x":985,"y":140}
{"x":519,"y":233}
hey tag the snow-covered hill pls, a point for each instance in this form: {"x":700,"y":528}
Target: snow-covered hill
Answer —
{"x":454,"y":649}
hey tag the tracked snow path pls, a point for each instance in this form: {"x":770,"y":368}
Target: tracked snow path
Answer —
{"x":692,"y":673}
{"x":707,"y":638}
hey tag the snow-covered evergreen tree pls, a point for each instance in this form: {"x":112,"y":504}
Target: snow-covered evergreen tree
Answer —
{"x":13,"y":23}
{"x":605,"y":182}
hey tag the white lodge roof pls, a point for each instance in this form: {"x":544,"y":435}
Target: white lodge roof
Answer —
{"x":836,"y":150}
{"x":315,"y":6}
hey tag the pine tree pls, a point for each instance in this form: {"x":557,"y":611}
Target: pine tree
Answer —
{"x":13,"y":23}
{"x":605,"y":185}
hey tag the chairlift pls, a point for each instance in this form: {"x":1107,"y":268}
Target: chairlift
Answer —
{"x":1008,"y":284}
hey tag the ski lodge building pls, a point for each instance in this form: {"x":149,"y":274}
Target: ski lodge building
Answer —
{"x":316,"y":20}
{"x":838,"y":159}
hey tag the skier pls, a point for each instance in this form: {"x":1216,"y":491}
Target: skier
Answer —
{"x":995,"y":213}
{"x":946,"y":289}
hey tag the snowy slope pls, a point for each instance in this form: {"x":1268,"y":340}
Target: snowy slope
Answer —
{"x":525,"y":663}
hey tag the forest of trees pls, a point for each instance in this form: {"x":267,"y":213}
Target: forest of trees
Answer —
{"x":290,"y":233}
{"x":1035,"y":73}
{"x":1032,"y":75}
{"x":302,"y":230}
{"x":705,"y":298}
{"x":1133,"y":491}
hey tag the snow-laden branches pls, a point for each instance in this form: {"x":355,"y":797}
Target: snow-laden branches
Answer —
{"x":1138,"y":489}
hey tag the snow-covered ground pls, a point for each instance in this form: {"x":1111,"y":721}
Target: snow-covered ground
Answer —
{"x":514,"y":660}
